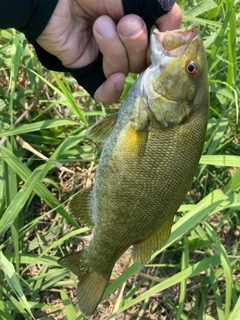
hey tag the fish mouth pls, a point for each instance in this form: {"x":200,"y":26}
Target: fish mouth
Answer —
{"x":171,"y":43}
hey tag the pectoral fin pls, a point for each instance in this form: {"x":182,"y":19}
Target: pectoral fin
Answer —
{"x":80,"y":207}
{"x":134,"y":143}
{"x":101,"y":130}
{"x":143,"y":250}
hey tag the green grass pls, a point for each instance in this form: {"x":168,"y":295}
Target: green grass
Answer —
{"x":44,"y":114}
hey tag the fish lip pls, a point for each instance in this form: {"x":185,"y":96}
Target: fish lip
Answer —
{"x":171,"y":43}
{"x":179,"y":36}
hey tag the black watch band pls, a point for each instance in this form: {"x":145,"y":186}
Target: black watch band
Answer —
{"x":148,"y":10}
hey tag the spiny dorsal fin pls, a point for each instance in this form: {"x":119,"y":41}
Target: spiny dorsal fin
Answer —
{"x":80,"y":207}
{"x":142,"y":251}
{"x":101,"y":130}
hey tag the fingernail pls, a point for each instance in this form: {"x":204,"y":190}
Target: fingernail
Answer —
{"x":131,"y":28}
{"x":106,"y":29}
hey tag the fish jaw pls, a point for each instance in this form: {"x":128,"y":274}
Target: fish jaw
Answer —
{"x":171,"y":93}
{"x":171,"y":43}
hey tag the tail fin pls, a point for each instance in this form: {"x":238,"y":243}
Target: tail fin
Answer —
{"x":91,"y":284}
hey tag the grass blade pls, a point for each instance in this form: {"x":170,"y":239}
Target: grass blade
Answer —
{"x":180,"y":276}
{"x":226,"y":265}
{"x":13,"y":281}
{"x":68,"y":307}
{"x":40,"y":125}
{"x":236,"y":311}
{"x":40,"y":189}
{"x":19,"y":201}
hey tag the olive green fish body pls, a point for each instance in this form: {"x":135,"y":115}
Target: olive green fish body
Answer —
{"x":151,"y":152}
{"x":148,"y":187}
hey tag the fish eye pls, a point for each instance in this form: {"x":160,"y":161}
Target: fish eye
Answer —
{"x":192,"y":68}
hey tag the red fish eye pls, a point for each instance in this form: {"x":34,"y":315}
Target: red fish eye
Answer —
{"x":192,"y":68}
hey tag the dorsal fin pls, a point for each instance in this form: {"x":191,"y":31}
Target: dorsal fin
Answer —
{"x":101,"y":130}
{"x":80,"y":207}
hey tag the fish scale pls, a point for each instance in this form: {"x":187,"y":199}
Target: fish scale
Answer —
{"x":150,"y":154}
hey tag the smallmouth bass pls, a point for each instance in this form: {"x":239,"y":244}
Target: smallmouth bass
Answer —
{"x":151,"y":152}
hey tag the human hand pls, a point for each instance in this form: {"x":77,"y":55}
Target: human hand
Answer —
{"x":78,"y":29}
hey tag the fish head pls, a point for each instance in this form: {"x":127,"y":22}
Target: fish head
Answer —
{"x":176,"y":81}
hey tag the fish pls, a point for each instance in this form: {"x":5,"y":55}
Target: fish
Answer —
{"x":151,"y":150}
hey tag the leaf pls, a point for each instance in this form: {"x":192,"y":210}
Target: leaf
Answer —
{"x":40,"y":189}
{"x":236,"y":311}
{"x":68,"y":306}
{"x":193,"y":270}
{"x":13,"y":281}
{"x":1,"y":190}
{"x":30,"y":258}
{"x":201,"y":7}
{"x":235,"y":182}
{"x":69,"y":96}
{"x":40,"y":125}
{"x":227,"y":269}
{"x":221,"y":160}
{"x":18,"y":202}
{"x":219,"y":39}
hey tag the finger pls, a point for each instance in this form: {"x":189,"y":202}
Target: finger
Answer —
{"x":133,"y":33}
{"x":170,"y":21}
{"x":111,"y":90}
{"x":113,"y":50}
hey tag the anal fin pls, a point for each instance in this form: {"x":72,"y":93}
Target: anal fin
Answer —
{"x":80,"y":207}
{"x":142,"y":251}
